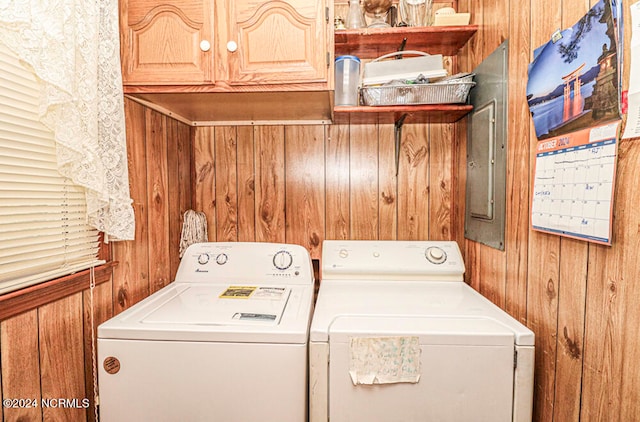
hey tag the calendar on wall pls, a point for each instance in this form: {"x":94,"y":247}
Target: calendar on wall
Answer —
{"x":574,"y":182}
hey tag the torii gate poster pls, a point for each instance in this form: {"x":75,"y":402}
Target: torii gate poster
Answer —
{"x":574,"y":98}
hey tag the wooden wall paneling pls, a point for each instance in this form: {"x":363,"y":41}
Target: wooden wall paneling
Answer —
{"x":102,"y":304}
{"x":174,"y":208}
{"x":337,"y":176}
{"x":304,"y":186}
{"x":542,"y":317}
{"x":473,"y":50}
{"x":571,"y":295}
{"x":158,"y":200}
{"x":60,"y":326}
{"x":414,"y":189}
{"x":179,"y":194}
{"x":270,"y":194}
{"x":493,"y":273}
{"x":246,"y":184}
{"x":388,"y":183}
{"x":570,"y":335}
{"x":441,"y":173}
{"x":495,"y":25}
{"x":606,"y":318}
{"x":472,"y":262}
{"x":363,"y":173}
{"x":611,"y":387}
{"x":204,"y":173}
{"x":459,"y":180}
{"x":20,"y":365}
{"x":544,"y":250}
{"x":226,"y":191}
{"x":518,"y":168}
{"x":131,"y":275}
{"x":441,"y":179}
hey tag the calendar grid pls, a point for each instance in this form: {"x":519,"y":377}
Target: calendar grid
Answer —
{"x":573,"y":187}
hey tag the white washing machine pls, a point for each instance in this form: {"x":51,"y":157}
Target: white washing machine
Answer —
{"x":226,"y":341}
{"x":398,"y":336}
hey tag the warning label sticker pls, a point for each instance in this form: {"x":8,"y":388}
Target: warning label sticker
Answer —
{"x":238,"y":292}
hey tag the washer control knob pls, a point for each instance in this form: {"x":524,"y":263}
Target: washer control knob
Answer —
{"x":282,"y":260}
{"x":222,"y":259}
{"x":435,"y":255}
{"x":343,"y":253}
{"x":203,"y":258}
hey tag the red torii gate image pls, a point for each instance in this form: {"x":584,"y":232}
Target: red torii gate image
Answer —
{"x":572,"y":106}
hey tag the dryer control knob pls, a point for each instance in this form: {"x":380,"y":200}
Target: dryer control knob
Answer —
{"x":435,"y":255}
{"x":203,"y":258}
{"x":343,"y":253}
{"x":282,"y":260}
{"x":222,"y":259}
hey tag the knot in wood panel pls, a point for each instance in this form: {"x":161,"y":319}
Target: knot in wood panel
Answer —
{"x":571,"y":346}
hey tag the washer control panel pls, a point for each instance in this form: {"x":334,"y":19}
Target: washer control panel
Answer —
{"x":246,"y":262}
{"x":392,"y":259}
{"x":435,"y":255}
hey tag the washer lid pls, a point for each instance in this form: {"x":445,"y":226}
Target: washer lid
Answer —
{"x":223,"y":305}
{"x":231,"y":312}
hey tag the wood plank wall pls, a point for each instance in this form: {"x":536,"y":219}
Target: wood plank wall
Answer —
{"x":303,"y":184}
{"x":46,"y":353}
{"x":577,"y":297}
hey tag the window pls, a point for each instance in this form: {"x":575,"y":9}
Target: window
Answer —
{"x":43,"y":229}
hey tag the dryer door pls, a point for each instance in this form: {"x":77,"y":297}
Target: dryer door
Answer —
{"x":405,"y":369}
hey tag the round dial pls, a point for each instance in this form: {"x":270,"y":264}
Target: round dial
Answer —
{"x":435,"y":255}
{"x":222,"y":259}
{"x":203,"y":258}
{"x":282,"y":260}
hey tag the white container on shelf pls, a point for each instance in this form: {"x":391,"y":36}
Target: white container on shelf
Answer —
{"x":381,"y":70}
{"x":347,"y":74}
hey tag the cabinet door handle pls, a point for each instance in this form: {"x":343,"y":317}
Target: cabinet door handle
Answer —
{"x":205,"y":45}
{"x":232,"y":46}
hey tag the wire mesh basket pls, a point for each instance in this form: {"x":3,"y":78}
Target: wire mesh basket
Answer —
{"x":446,"y":92}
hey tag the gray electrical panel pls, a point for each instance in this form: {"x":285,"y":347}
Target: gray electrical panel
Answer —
{"x":487,"y":152}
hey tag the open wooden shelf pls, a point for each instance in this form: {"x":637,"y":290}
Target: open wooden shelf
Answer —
{"x":369,"y":43}
{"x":427,"y":113}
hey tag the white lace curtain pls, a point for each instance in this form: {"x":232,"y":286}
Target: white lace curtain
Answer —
{"x":73,"y":48}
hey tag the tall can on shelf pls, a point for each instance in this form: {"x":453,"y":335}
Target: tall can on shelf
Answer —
{"x":347,"y":73}
{"x":416,"y":12}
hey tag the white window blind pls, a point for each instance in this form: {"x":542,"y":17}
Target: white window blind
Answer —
{"x":43,"y":230}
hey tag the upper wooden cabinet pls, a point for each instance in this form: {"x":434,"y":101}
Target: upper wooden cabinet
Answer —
{"x":226,"y":45}
{"x":224,"y":62}
{"x":161,"y":42}
{"x":272,"y":42}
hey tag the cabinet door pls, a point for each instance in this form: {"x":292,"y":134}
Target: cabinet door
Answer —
{"x":278,"y":42}
{"x":162,"y":42}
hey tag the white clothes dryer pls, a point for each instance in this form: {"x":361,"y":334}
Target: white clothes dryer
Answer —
{"x":398,"y":336}
{"x":226,"y":341}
